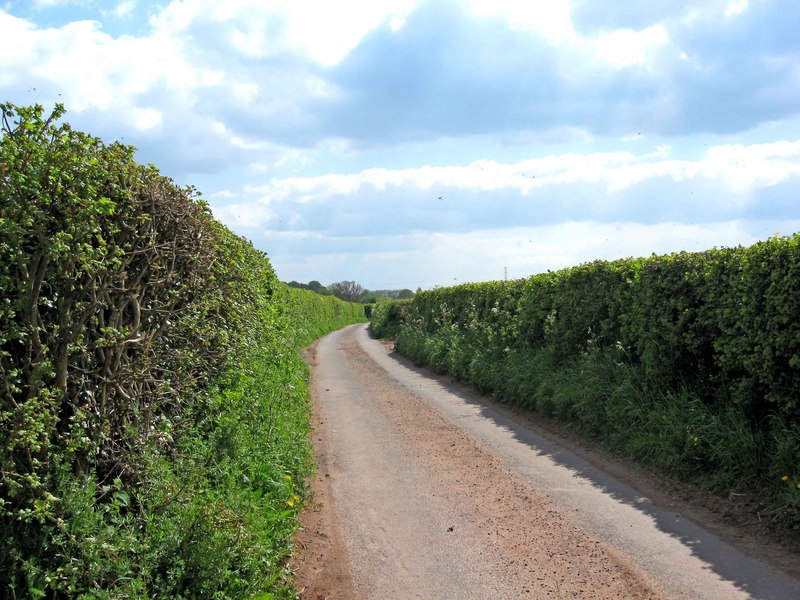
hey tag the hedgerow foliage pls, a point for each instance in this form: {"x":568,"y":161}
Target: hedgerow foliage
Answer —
{"x":153,"y":403}
{"x":687,"y":361}
{"x":313,"y":316}
{"x":386,"y":318}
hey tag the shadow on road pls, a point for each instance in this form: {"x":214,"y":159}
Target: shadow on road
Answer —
{"x":752,"y":576}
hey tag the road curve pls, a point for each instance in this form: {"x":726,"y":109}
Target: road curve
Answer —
{"x":433,"y":494}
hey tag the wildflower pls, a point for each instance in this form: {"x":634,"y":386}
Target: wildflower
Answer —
{"x":290,"y":503}
{"x":296,"y":498}
{"x":785,"y":478}
{"x":287,"y":477}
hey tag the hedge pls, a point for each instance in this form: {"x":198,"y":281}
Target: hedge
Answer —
{"x":689,"y":360}
{"x":153,"y":408}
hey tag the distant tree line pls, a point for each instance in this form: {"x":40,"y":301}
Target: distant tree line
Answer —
{"x":314,"y":286}
{"x":351,"y":291}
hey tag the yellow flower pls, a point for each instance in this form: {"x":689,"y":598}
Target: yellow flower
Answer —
{"x":287,"y":477}
{"x":290,"y":503}
{"x":296,"y":498}
{"x":785,"y":478}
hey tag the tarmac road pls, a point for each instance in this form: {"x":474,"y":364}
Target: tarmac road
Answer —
{"x":426,"y":490}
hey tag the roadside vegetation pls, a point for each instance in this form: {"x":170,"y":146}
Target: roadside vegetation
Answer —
{"x":153,"y":402}
{"x":688,"y":362}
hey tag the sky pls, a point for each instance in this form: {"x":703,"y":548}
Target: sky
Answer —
{"x":414,"y":143}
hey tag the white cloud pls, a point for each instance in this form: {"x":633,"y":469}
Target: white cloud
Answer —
{"x":243,"y":215}
{"x":337,"y":27}
{"x":43,"y":4}
{"x":397,"y":22}
{"x":758,"y":165}
{"x":201,"y":60}
{"x":552,"y":19}
{"x":738,"y":168}
{"x":135,"y":88}
{"x":325,"y":31}
{"x":626,"y":47}
{"x":226,"y":136}
{"x":245,"y":91}
{"x":734,"y":9}
{"x":91,"y":69}
{"x":17,"y":49}
{"x":125,"y":9}
{"x":146,"y":118}
{"x":530,"y":250}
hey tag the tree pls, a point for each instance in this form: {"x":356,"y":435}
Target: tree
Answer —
{"x":349,"y":291}
{"x":316,"y":286}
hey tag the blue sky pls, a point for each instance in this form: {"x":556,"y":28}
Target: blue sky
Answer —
{"x":414,"y":143}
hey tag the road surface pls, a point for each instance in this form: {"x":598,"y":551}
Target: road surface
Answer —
{"x":427,"y":491}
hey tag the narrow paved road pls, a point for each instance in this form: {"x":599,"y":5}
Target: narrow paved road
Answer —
{"x":426,"y":492}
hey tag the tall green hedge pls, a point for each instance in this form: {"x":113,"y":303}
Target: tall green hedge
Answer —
{"x":690,"y":360}
{"x":312,"y":315}
{"x":153,"y":408}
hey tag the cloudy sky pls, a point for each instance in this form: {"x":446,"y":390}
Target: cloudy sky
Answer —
{"x":414,"y":143}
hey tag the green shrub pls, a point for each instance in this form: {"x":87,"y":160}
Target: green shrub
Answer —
{"x":153,"y":408}
{"x":385,"y":317}
{"x":690,"y":362}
